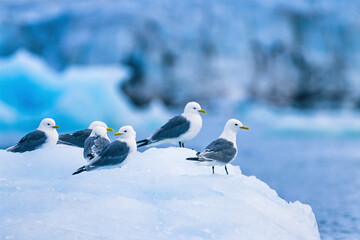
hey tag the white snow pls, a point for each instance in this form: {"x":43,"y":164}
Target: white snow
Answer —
{"x":157,"y":195}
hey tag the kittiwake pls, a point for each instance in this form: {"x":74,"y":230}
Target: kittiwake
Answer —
{"x":116,"y":154}
{"x":223,"y":150}
{"x":96,"y":142}
{"x":44,"y":136}
{"x":78,"y":138}
{"x":178,"y":129}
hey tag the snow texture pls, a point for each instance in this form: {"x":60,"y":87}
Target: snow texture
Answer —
{"x":157,"y":195}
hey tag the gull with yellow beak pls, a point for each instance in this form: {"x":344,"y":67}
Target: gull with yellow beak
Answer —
{"x":116,"y":154}
{"x":178,"y":129}
{"x":77,"y":139}
{"x":44,"y":136}
{"x":223,"y":150}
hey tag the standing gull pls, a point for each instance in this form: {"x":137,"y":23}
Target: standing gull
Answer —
{"x":96,"y":142}
{"x":44,"y":136}
{"x":179,"y":129}
{"x":78,"y":138}
{"x":116,"y":154}
{"x":223,"y":150}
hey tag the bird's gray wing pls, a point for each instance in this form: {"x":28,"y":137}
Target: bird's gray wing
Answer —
{"x":89,"y":143}
{"x":30,"y":142}
{"x":220,"y":150}
{"x":99,"y":144}
{"x":113,"y":154}
{"x":172,"y":129}
{"x":75,"y":139}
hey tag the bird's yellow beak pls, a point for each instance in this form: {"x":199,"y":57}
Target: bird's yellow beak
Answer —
{"x":244,"y":127}
{"x":117,"y":134}
{"x":110,"y":129}
{"x":202,"y":111}
{"x":56,"y":126}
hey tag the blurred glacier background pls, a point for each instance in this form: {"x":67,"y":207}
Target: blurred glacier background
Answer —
{"x":287,"y":69}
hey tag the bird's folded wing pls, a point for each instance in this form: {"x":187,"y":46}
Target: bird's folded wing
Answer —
{"x":114,"y":154}
{"x":30,"y":141}
{"x":219,"y":150}
{"x":172,"y":129}
{"x":77,"y":138}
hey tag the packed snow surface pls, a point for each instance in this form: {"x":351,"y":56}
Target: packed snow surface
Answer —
{"x":157,"y":195}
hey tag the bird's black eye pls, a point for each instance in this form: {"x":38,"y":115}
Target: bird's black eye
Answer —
{"x":236,"y":124}
{"x":194,"y":107}
{"x":125,"y":131}
{"x":49,"y":124}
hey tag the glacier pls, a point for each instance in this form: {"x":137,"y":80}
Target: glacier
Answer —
{"x":301,"y":53}
{"x":30,"y":91}
{"x":157,"y":195}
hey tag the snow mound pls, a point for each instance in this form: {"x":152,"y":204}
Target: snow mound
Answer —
{"x":157,"y":195}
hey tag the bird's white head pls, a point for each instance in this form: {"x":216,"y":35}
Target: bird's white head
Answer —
{"x":235,"y":125}
{"x":231,"y":128}
{"x":48,"y":123}
{"x":99,"y":131}
{"x":95,"y":124}
{"x":193,"y":108}
{"x":126,"y":132}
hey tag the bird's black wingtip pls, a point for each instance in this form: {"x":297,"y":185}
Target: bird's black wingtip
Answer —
{"x":193,"y":159}
{"x":142,"y":143}
{"x":80,"y":170}
{"x":91,"y":156}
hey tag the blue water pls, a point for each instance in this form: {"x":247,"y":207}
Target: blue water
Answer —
{"x":321,"y":172}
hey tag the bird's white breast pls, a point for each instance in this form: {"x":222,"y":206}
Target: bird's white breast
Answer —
{"x":52,"y":138}
{"x":195,"y":127}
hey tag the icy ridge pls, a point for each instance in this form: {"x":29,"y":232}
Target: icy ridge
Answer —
{"x":157,"y":195}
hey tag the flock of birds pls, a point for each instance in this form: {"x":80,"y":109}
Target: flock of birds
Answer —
{"x":101,"y":153}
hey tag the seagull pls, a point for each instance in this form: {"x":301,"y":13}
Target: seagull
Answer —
{"x":178,"y":129}
{"x":116,"y":154}
{"x":223,"y":150}
{"x":44,"y":136}
{"x":78,"y":138}
{"x":96,"y":142}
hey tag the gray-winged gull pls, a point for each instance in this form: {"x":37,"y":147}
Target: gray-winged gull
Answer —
{"x":96,"y":142}
{"x":116,"y":154}
{"x":223,"y":150}
{"x":44,"y":136}
{"x":178,"y":129}
{"x":78,"y":138}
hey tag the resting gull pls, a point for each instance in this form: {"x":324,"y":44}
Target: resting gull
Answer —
{"x":179,"y":129}
{"x":96,"y":142}
{"x":44,"y":136}
{"x":116,"y":154}
{"x":223,"y":150}
{"x":78,"y":138}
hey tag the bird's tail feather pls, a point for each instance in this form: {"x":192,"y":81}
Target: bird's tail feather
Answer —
{"x":143,"y":142}
{"x":199,"y":160}
{"x":64,"y":142}
{"x":82,"y":169}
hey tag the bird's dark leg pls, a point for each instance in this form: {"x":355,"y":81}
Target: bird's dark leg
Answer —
{"x":226,"y":170}
{"x":183,"y":145}
{"x":179,"y":144}
{"x":213,"y":169}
